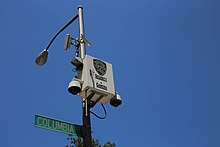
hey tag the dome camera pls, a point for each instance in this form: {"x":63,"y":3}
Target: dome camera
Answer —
{"x":116,"y":100}
{"x":74,"y":86}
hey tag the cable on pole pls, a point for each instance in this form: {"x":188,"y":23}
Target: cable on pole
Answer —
{"x":100,"y":116}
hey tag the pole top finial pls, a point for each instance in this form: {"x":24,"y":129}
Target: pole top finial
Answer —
{"x":80,"y":6}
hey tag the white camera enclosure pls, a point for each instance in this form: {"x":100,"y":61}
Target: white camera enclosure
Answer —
{"x":97,"y":77}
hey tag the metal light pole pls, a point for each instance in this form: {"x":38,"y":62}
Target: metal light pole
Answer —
{"x":80,"y":85}
{"x":87,"y":137}
{"x":81,"y":32}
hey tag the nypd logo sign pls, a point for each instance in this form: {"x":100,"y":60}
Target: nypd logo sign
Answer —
{"x":100,"y":67}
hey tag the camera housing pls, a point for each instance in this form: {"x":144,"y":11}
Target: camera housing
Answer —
{"x":97,"y":77}
{"x":78,"y":63}
{"x":75,"y":86}
{"x":116,"y":100}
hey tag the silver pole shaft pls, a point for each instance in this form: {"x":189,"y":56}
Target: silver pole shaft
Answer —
{"x":87,"y":136}
{"x":81,"y":32}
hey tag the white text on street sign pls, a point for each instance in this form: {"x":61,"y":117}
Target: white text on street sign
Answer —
{"x":57,"y":125}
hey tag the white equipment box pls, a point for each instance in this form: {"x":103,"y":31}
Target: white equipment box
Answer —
{"x":98,"y":82}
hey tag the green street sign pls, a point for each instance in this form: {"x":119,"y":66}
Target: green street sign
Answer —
{"x":57,"y":125}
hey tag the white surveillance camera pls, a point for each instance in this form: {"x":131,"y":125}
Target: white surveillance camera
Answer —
{"x":75,"y":86}
{"x":116,"y":100}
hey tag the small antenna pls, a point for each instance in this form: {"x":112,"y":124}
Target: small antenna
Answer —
{"x":68,"y":42}
{"x":85,"y":40}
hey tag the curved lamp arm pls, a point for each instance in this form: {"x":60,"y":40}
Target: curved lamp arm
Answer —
{"x":42,"y":57}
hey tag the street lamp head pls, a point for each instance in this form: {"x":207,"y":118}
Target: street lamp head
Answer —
{"x":42,"y":58}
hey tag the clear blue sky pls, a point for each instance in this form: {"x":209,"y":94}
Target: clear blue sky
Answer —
{"x":166,"y":60}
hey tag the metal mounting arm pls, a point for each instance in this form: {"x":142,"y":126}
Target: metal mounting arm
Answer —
{"x":61,"y":30}
{"x":42,"y":57}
